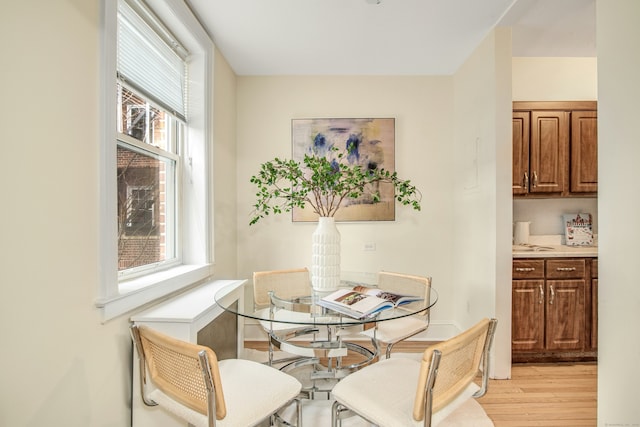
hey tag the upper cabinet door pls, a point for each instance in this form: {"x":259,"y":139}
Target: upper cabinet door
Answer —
{"x":584,"y":152}
{"x":520,"y":152}
{"x":549,"y":150}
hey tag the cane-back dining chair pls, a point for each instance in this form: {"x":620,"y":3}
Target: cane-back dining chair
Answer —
{"x":391,"y":332}
{"x":438,"y":390}
{"x":286,"y":285}
{"x":189,"y":381}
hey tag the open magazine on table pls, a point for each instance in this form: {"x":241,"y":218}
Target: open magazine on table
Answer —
{"x":361,"y":301}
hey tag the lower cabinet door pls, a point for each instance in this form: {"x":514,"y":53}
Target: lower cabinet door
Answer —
{"x":565,"y":315}
{"x":594,"y":314}
{"x":528,"y":315}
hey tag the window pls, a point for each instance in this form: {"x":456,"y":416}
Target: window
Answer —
{"x":154,"y":164}
{"x":149,"y":144}
{"x":139,"y":216}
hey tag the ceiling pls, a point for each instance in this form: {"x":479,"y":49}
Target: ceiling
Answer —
{"x":387,"y":37}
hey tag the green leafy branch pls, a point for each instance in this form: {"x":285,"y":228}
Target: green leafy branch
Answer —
{"x":323,"y":183}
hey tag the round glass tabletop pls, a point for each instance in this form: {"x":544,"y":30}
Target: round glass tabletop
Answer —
{"x":313,"y":310}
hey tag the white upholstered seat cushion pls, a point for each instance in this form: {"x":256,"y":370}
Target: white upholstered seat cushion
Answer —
{"x":397,"y":329}
{"x":468,"y":414}
{"x":251,"y":392}
{"x":384,"y":393}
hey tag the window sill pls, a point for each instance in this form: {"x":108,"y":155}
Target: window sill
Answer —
{"x":137,"y":292}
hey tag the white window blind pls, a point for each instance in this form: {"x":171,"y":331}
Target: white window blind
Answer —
{"x":150,"y":60}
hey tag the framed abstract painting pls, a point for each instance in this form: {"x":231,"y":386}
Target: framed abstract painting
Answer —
{"x":372,"y":145}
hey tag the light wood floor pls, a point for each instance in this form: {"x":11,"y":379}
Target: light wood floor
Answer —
{"x":544,"y":395}
{"x":536,"y":395}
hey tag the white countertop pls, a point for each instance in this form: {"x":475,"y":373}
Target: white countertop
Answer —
{"x":543,"y":246}
{"x":555,"y":251}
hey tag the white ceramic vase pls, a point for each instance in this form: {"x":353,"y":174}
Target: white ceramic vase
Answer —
{"x":325,"y":262}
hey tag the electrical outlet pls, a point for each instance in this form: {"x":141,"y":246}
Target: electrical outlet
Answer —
{"x":369,"y":246}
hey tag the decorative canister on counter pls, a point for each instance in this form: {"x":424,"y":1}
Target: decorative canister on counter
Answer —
{"x":578,"y":229}
{"x":521,"y":233}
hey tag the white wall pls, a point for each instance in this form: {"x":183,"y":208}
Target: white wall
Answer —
{"x":416,"y":242}
{"x":554,"y":79}
{"x":481,"y":194}
{"x":60,"y":365}
{"x":618,"y":41}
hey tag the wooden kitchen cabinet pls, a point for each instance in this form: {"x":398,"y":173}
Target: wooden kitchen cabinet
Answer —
{"x":548,"y":149}
{"x":528,"y":309}
{"x":593,"y":344}
{"x":566,"y":315}
{"x":540,"y":141}
{"x":549,"y":310}
{"x":554,"y":149}
{"x":521,"y":133}
{"x":584,"y":152}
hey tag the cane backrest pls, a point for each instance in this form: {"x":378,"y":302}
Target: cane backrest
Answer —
{"x":459,"y":365}
{"x":285,"y":284}
{"x":175,"y":368}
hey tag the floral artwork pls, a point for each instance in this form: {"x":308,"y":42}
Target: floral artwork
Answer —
{"x":369,"y":143}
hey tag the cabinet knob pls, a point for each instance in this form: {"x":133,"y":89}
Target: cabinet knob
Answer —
{"x":565,"y":269}
{"x":525,"y":269}
{"x":525,"y":182}
{"x":535,"y":179}
{"x":552,"y":294}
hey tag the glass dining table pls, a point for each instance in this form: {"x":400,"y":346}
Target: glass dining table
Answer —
{"x":317,"y":339}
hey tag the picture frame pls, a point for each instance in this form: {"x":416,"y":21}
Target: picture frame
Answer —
{"x":374,"y":140}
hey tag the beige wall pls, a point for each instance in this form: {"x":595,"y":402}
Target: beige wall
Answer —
{"x":225,"y":252}
{"x":618,"y":40}
{"x":60,"y":365}
{"x":555,"y":79}
{"x":417,"y":242}
{"x":482,"y":192}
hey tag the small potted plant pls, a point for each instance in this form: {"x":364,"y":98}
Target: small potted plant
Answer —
{"x":324,"y":182}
